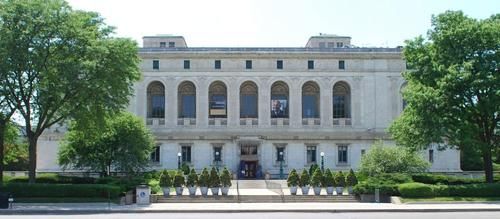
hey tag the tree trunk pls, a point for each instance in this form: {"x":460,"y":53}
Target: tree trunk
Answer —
{"x":32,"y":138}
{"x":3,"y":124}
{"x":488,"y":165}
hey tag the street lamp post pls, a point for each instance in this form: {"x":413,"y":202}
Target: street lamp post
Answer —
{"x":217,"y":160}
{"x":179,"y":155}
{"x":281,"y":164}
{"x":322,"y":154}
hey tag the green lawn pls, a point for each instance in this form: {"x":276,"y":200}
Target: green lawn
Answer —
{"x":64,"y":200}
{"x":450,"y":199}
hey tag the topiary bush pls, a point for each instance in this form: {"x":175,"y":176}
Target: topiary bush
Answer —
{"x":313,"y":169}
{"x":304,"y":178}
{"x":185,"y":169}
{"x":328,"y":180}
{"x":179,"y":180}
{"x":203,"y":180}
{"x":225,"y":178}
{"x":293,"y":178}
{"x":192,"y":179}
{"x":317,"y":178}
{"x":339,"y":179}
{"x":165,"y":179}
{"x":351,"y":179}
{"x":214,"y":180}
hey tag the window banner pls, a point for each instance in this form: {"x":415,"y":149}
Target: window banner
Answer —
{"x":279,"y":108}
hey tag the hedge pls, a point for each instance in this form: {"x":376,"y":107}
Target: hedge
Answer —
{"x":60,"y":190}
{"x":419,"y":190}
{"x":54,"y":179}
{"x":443,"y":179}
{"x":387,"y":184}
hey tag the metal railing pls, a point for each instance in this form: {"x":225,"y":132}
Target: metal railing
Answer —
{"x":275,"y":187}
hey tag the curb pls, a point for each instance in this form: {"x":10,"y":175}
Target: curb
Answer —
{"x":72,"y":212}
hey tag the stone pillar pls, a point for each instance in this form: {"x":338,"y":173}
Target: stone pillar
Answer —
{"x":326,"y":102}
{"x":233,"y":103}
{"x":393,"y":91}
{"x":264,"y":92}
{"x":141,"y":97}
{"x":295,"y":106}
{"x":202,"y":103}
{"x":356,"y":97}
{"x":170,"y":101}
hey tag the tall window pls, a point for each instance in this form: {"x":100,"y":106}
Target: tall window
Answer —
{"x":171,"y":44}
{"x":311,"y":154}
{"x":217,"y":64}
{"x":279,"y":64}
{"x":218,"y":153}
{"x":431,"y":156}
{"x":310,"y":64}
{"x":280,"y":153}
{"x":155,"y":155}
{"x":310,"y":100}
{"x":186,"y":154}
{"x":279,"y":100}
{"x":156,"y":64}
{"x":341,"y":64}
{"x":156,"y":100}
{"x":341,"y":100}
{"x":248,"y":100}
{"x":248,"y":64}
{"x":217,"y":98}
{"x":187,"y":64}
{"x":186,"y":100}
{"x":342,"y":152}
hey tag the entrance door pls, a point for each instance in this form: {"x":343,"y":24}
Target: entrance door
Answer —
{"x":250,"y":168}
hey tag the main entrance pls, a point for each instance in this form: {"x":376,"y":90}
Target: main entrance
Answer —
{"x":249,"y":168}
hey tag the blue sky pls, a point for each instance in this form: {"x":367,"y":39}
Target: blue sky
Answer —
{"x":279,"y":23}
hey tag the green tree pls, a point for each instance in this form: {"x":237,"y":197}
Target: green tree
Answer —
{"x":453,"y":91}
{"x":15,"y":150}
{"x":391,"y":159}
{"x":123,"y":144}
{"x":60,"y":64}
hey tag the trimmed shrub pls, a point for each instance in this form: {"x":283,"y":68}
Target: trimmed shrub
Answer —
{"x":179,"y":180}
{"x":225,"y":178}
{"x":304,"y":178}
{"x":443,"y":179}
{"x":165,"y":179}
{"x":416,"y":190}
{"x":339,"y":179}
{"x":293,"y":178}
{"x":317,"y":178}
{"x":192,"y":179}
{"x":44,"y":190}
{"x":214,"y":180}
{"x":369,"y":188}
{"x":185,"y":169}
{"x":351,"y":179}
{"x":203,"y":180}
{"x":54,"y":179}
{"x":313,"y":169}
{"x":328,"y":180}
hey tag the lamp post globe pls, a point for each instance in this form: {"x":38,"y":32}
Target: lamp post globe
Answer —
{"x":179,"y":155}
{"x":322,"y":154}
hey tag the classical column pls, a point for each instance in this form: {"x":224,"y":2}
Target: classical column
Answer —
{"x":295,"y":105}
{"x":170,"y":101}
{"x":264,"y":92}
{"x":357,"y":95}
{"x":326,"y":102}
{"x":233,"y":103}
{"x":202,"y":102}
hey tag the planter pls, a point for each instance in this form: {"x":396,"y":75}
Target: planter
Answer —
{"x":192,"y":190}
{"x":204,"y":191}
{"x":317,"y":190}
{"x":178,"y":190}
{"x":166,"y":191}
{"x":329,"y":190}
{"x":349,"y":190}
{"x":305,"y":190}
{"x":215,"y":190}
{"x":225,"y":190}
{"x":293,"y":190}
{"x":339,"y":190}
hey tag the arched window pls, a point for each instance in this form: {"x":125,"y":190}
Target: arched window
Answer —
{"x":279,"y":100}
{"x":341,"y":100}
{"x":217,"y":99}
{"x":156,"y":100}
{"x":310,"y":100}
{"x":186,"y":98}
{"x":248,"y":100}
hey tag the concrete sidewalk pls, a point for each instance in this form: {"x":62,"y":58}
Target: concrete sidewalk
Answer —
{"x":93,"y":208}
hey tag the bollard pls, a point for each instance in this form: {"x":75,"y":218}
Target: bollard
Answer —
{"x":377,"y":195}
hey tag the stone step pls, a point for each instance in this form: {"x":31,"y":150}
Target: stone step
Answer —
{"x":251,"y":184}
{"x":253,"y":199}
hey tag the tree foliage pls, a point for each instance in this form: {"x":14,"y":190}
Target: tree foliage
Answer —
{"x":58,"y":63}
{"x":391,"y":159}
{"x":453,"y":91}
{"x":122,"y":144}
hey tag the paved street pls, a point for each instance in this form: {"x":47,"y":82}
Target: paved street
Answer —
{"x":443,"y":215}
